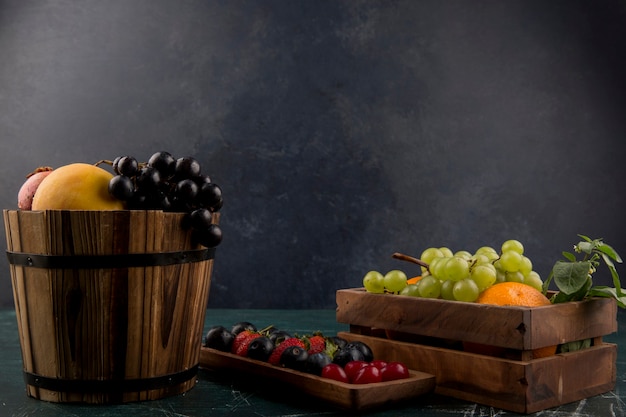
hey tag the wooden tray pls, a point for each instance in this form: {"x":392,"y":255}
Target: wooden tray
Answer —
{"x":340,"y":394}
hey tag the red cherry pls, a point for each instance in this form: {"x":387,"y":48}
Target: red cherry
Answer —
{"x":379,"y":363}
{"x":394,"y":370}
{"x":353,"y":367}
{"x":368,"y":375}
{"x":334,"y":371}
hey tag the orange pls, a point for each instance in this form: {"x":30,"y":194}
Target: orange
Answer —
{"x":413,"y":280}
{"x":512,"y":294}
{"x":76,"y":186}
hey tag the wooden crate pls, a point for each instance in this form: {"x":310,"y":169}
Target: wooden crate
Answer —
{"x":428,"y":335}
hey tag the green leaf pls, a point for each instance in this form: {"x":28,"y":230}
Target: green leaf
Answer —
{"x":610,"y":252}
{"x":585,"y":238}
{"x":579,"y":295}
{"x":608,"y":292}
{"x":586,"y":247}
{"x":616,"y":282}
{"x":571,"y":277}
{"x":546,"y":283}
{"x":570,"y":256}
{"x":574,"y":346}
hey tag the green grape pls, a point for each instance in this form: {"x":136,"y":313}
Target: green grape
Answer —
{"x":373,"y":282}
{"x":514,"y":245}
{"x":431,"y":253}
{"x":465,"y":290}
{"x":436,"y":267}
{"x":447,"y":253}
{"x":483,"y":276}
{"x":395,"y":280}
{"x":491,"y":255}
{"x":412,"y":290}
{"x":515,"y":276}
{"x":490,"y":266}
{"x":428,"y":255}
{"x":463,"y":254}
{"x":446,"y":290}
{"x":497,"y":265}
{"x":486,"y":250}
{"x":510,"y":261}
{"x":456,"y":269}
{"x":534,"y":280}
{"x":480,"y":259}
{"x":500,"y":275}
{"x":429,"y":287}
{"x":525,"y":266}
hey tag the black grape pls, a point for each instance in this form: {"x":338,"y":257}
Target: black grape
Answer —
{"x":122,"y":187}
{"x":187,"y":167}
{"x":163,"y":162}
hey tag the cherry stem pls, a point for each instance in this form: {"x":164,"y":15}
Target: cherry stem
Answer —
{"x":408,"y":258}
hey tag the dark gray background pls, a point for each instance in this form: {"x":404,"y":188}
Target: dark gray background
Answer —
{"x":340,"y":131}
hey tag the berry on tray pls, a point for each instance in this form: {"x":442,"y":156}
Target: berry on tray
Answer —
{"x":327,"y":356}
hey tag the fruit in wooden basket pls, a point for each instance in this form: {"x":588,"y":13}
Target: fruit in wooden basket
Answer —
{"x":471,"y":274}
{"x":260,"y":348}
{"x":312,"y":353}
{"x":219,"y":338}
{"x":395,"y":280}
{"x":76,"y":186}
{"x":465,"y":290}
{"x":278,"y":335}
{"x":316,"y":363}
{"x":414,"y":280}
{"x":242,"y":342}
{"x":27,"y":191}
{"x":353,"y":367}
{"x":274,"y":358}
{"x":393,"y":371}
{"x":169,"y":184}
{"x":335,"y":372}
{"x":369,"y":374}
{"x":241,"y":326}
{"x":294,"y":357}
{"x":511,"y":294}
{"x":429,"y":287}
{"x":315,"y":343}
{"x":374,"y":282}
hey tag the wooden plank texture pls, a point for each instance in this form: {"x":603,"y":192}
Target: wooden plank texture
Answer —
{"x":343,"y":395}
{"x":520,"y":328}
{"x":518,"y":386}
{"x":107,"y":323}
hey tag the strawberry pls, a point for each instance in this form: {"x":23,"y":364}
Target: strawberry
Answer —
{"x":315,"y":344}
{"x":274,"y":358}
{"x":242,"y":341}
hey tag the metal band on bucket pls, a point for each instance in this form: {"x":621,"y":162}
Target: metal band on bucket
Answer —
{"x":110,"y":385}
{"x":125,"y":260}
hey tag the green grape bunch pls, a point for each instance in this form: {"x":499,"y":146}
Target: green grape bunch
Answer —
{"x":461,"y":275}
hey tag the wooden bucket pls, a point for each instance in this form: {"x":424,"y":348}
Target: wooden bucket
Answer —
{"x":110,"y":304}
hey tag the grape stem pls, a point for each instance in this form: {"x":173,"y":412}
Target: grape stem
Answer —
{"x":408,"y":258}
{"x":103,"y":161}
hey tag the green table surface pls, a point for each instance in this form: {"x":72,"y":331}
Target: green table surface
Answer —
{"x":216,"y":394}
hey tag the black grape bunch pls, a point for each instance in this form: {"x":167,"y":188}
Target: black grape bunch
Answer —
{"x":170,"y":184}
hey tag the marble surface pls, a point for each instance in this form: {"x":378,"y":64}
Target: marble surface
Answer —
{"x":220,"y":395}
